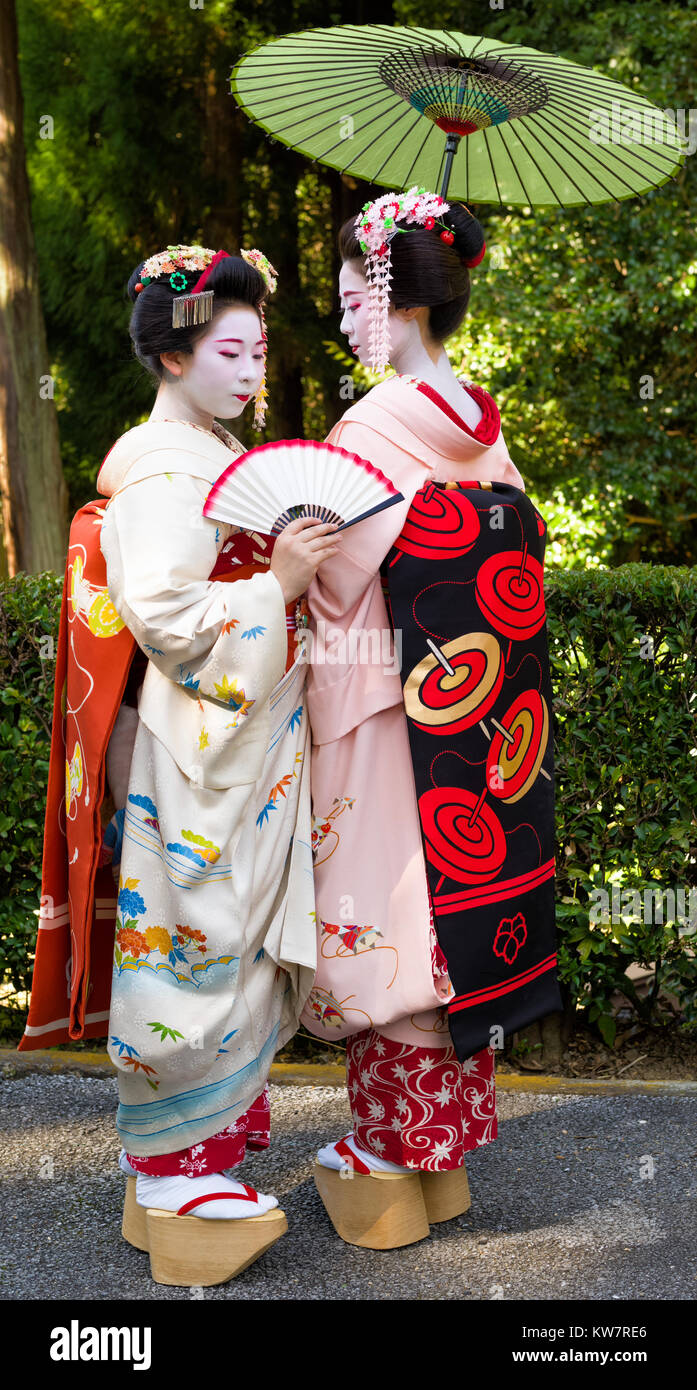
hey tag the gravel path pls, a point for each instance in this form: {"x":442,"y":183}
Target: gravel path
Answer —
{"x":580,"y":1197}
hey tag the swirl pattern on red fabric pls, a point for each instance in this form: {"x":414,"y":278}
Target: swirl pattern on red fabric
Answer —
{"x":419,"y":1106}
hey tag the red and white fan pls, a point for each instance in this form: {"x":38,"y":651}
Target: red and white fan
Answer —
{"x":273,"y":484}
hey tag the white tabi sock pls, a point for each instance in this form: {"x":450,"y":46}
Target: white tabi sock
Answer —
{"x":172,"y":1193}
{"x":329,"y":1158}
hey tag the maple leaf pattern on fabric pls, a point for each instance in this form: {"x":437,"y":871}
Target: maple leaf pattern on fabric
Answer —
{"x":233,"y":695}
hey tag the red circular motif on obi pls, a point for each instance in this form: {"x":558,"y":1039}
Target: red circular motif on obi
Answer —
{"x":510,"y":593}
{"x":441,"y":523}
{"x":466,"y":853}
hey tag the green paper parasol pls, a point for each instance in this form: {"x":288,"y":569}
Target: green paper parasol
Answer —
{"x":490,"y":122}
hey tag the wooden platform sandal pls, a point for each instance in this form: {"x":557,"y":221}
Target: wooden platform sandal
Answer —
{"x":191,"y":1250}
{"x":134,"y":1227}
{"x":380,"y":1211}
{"x":446,"y":1194}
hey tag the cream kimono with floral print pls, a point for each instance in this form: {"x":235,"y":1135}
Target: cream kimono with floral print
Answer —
{"x":215,"y":942}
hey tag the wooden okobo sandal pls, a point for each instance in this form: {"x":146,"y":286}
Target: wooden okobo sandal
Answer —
{"x":134,"y":1227}
{"x":446,"y":1194}
{"x":380,"y":1211}
{"x":190,"y":1250}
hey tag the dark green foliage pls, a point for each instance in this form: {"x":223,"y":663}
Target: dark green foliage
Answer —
{"x":29,"y":610}
{"x":149,"y":147}
{"x":622,"y":644}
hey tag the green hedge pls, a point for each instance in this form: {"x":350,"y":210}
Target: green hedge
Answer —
{"x":622,"y":646}
{"x":623,"y":656}
{"x":29,"y":614}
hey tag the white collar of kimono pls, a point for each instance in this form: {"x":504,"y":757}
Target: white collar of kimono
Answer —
{"x":144,"y":442}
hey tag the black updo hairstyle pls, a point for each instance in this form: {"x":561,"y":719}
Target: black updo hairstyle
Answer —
{"x":425,"y":270}
{"x":233,"y":282}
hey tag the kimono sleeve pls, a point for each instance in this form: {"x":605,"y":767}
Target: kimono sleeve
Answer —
{"x":360,"y":675}
{"x":224,"y":641}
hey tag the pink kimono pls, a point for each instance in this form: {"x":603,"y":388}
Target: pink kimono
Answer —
{"x":382,"y":980}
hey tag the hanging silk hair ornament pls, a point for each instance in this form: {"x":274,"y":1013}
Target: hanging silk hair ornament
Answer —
{"x":270,"y":275}
{"x":375,"y":228}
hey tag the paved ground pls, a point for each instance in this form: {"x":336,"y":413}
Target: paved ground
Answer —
{"x":560,"y":1209}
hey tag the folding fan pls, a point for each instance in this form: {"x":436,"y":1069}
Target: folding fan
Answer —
{"x":269,"y":486}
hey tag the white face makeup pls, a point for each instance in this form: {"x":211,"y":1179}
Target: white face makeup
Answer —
{"x":355,"y":321}
{"x":226,"y":368}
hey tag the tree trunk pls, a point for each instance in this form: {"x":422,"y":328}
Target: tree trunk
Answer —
{"x":34,"y":533}
{"x":547,"y":1040}
{"x":222,"y":151}
{"x":288,"y":310}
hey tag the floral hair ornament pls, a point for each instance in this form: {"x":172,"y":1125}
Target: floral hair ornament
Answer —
{"x":270,"y":275}
{"x":375,"y":228}
{"x":196,"y":306}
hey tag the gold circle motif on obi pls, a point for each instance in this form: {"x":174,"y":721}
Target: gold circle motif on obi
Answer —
{"x":434,"y":697}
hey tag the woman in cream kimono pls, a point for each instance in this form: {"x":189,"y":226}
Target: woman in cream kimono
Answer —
{"x":215,"y":940}
{"x":382,"y":982}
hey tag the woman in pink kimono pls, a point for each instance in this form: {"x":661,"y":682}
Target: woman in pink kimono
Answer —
{"x":383,"y":981}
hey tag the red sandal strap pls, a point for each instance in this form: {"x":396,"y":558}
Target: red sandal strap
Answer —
{"x":352,"y":1159}
{"x":251,"y":1196}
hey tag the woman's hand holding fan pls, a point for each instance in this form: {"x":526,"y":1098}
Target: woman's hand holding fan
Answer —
{"x":302,"y":546}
